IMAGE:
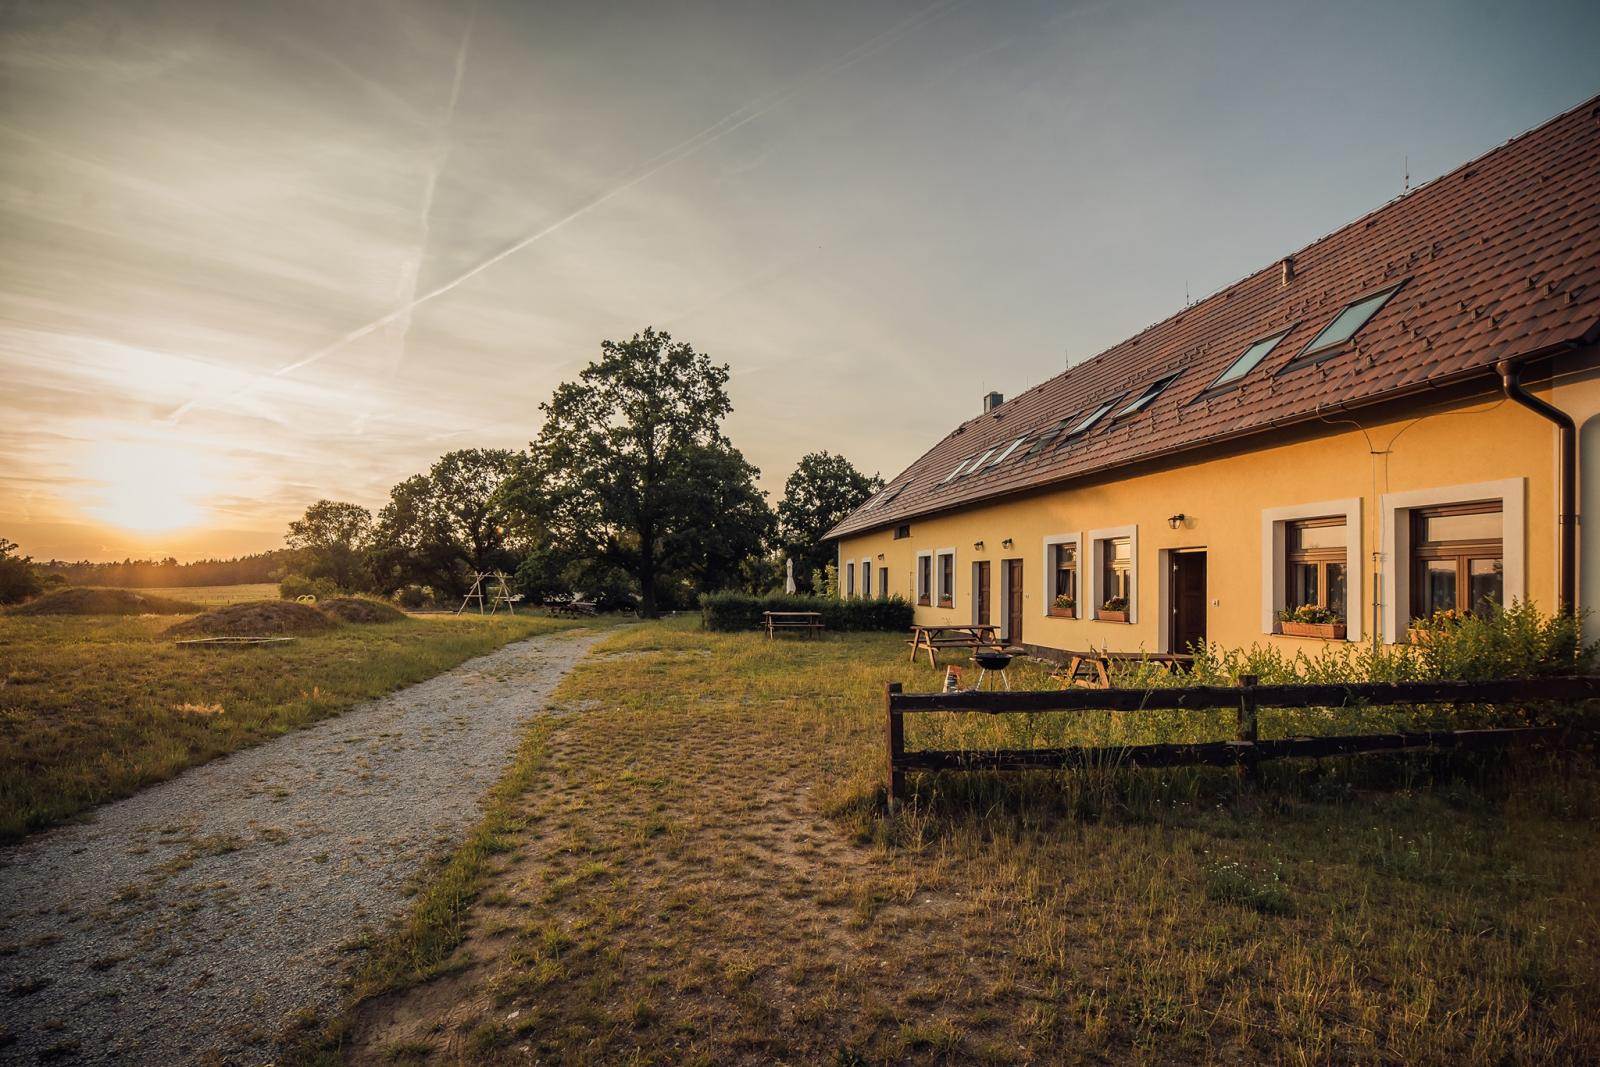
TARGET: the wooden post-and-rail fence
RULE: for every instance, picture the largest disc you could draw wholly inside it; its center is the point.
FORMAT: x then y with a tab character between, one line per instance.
1247	697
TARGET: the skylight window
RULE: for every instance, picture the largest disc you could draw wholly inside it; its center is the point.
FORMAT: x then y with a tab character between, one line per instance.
1048	436
1146	395
1088	421
979	462
1012	447
1248	362
956	471
1347	322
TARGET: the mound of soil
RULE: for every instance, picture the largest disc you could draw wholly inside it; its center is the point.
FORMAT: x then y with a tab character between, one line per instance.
256	618
104	602
360	610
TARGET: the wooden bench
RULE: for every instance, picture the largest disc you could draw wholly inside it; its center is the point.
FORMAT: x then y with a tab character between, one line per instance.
806	622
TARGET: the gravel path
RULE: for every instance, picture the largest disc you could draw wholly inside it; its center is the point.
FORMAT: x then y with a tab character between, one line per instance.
197	917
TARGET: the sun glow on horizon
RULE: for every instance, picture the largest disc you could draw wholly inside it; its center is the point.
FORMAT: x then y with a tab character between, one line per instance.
148	486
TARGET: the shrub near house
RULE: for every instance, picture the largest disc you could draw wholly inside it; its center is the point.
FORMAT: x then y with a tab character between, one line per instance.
740	611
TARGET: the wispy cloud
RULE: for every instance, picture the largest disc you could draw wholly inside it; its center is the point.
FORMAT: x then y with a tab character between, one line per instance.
730	123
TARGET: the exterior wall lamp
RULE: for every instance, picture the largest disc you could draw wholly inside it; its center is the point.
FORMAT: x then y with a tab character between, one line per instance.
977	546
1007	543
1177	520
880	557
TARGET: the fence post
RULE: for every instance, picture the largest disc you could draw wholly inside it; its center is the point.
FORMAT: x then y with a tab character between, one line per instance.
896	738
1249	727
1247	708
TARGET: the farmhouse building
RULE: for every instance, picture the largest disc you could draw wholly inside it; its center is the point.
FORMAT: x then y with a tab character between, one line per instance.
1399	419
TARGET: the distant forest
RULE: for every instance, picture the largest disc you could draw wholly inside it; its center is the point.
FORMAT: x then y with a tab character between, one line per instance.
153	573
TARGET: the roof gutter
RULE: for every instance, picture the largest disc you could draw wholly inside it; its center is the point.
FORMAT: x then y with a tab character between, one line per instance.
1566	513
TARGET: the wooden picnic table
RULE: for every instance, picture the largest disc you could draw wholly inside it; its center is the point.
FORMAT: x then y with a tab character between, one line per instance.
976	637
807	622
1092	669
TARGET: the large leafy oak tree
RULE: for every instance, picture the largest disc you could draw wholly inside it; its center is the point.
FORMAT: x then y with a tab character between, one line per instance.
631	468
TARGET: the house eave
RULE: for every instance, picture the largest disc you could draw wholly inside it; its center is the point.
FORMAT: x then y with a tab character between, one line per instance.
1463	381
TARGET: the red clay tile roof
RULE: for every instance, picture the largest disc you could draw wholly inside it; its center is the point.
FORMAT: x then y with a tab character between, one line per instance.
1499	258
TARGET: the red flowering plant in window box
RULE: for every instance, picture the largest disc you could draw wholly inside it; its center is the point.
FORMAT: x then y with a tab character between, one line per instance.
1311	621
1114	609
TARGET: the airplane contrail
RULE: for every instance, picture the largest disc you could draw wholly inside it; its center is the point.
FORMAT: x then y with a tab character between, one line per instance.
734	120
441	156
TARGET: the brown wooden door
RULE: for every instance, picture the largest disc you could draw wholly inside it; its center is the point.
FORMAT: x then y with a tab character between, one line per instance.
1187	595
982	586
1014	601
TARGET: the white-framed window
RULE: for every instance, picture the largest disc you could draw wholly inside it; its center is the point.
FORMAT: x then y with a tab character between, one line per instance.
850	579
924	578
944	577
1113	574
1064	576
1302	561
866	578
1399	512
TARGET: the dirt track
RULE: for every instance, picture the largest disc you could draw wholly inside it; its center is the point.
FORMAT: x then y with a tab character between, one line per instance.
199	916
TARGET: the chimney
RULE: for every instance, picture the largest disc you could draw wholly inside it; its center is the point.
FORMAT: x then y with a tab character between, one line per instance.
992	401
1288	269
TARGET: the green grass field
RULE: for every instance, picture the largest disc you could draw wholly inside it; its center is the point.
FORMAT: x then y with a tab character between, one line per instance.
215	596
691	864
96	707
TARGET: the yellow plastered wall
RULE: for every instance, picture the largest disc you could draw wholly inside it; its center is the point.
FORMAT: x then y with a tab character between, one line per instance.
1485	441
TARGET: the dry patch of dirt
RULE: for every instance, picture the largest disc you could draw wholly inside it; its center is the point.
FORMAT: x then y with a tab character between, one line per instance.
360	610
678	887
254	619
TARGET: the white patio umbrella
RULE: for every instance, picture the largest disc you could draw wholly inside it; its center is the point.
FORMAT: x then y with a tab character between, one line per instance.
788	582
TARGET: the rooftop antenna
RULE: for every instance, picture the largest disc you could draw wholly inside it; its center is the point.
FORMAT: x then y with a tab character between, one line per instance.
1407	187
1186	292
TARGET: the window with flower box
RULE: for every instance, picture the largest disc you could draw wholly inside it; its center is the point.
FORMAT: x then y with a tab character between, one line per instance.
1316	573
1064	583
1116	579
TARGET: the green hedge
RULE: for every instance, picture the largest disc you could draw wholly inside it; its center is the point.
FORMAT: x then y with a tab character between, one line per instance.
741	611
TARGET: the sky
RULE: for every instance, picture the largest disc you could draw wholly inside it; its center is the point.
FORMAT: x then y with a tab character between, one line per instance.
253	255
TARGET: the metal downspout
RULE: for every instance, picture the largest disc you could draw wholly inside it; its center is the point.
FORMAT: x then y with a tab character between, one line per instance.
1566	514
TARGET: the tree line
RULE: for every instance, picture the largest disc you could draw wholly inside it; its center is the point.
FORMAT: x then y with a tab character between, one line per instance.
631	495
153	573
23	577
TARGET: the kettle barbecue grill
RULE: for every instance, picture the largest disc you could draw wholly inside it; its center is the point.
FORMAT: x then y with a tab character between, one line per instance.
995	660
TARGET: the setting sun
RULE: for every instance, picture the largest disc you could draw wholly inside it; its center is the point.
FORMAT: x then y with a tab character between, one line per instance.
147	486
